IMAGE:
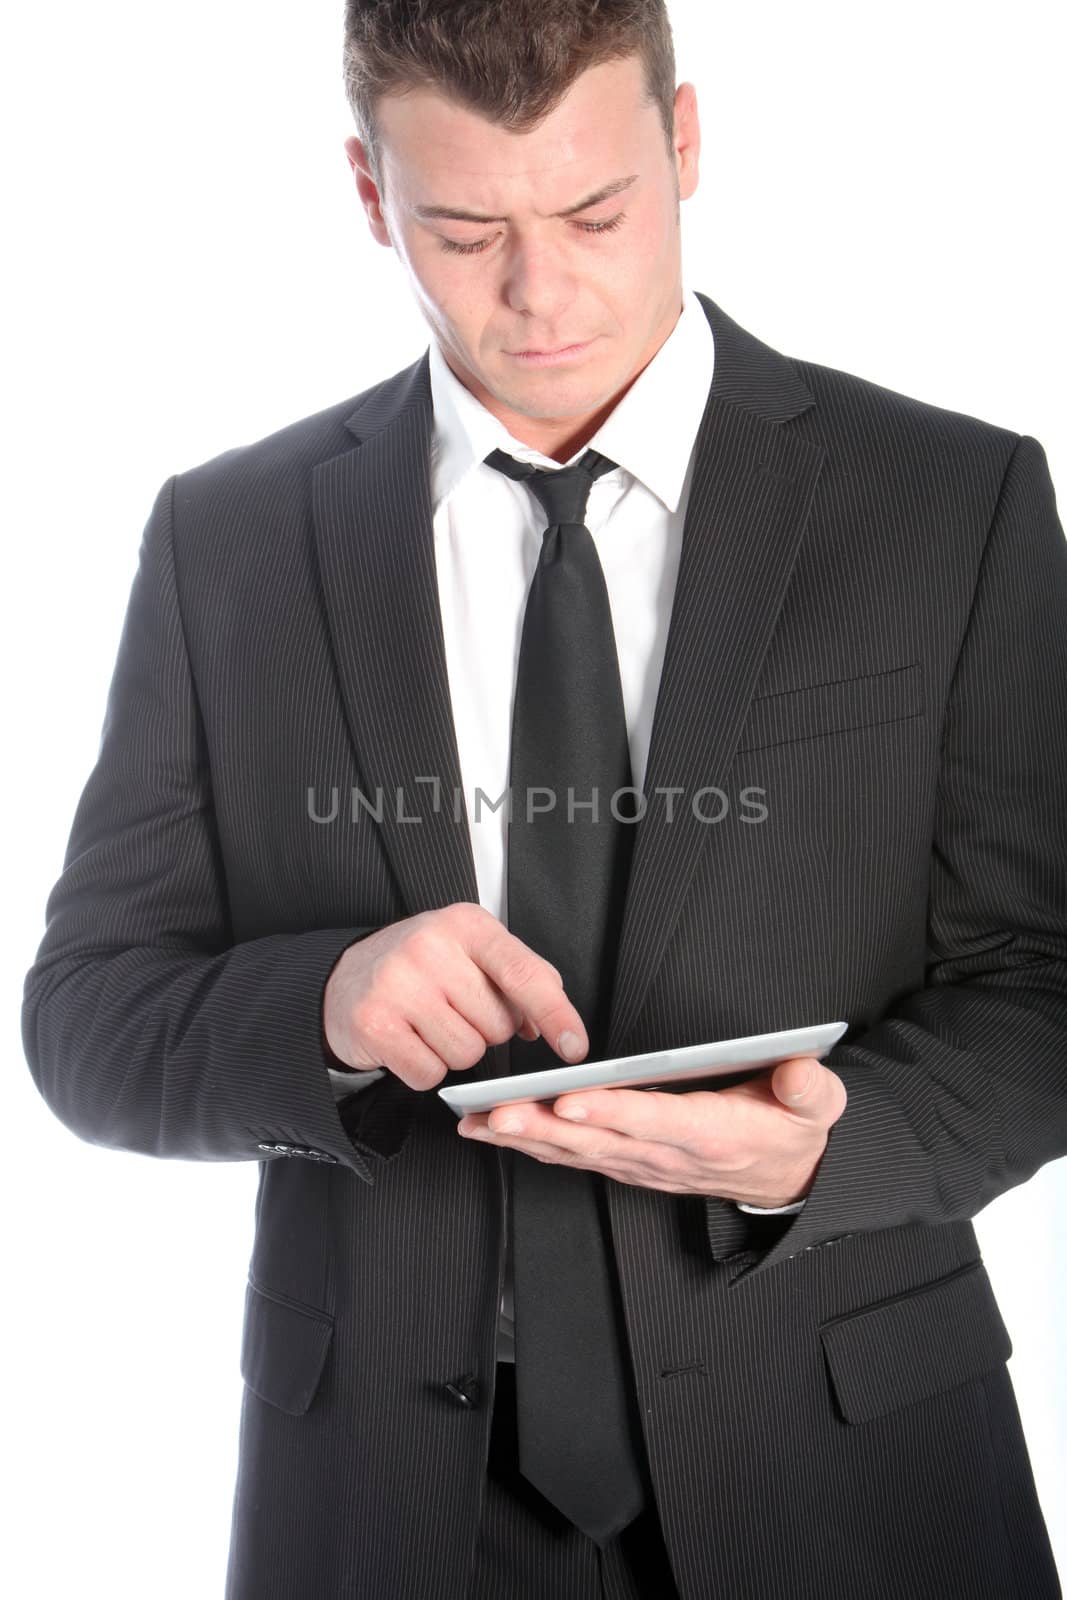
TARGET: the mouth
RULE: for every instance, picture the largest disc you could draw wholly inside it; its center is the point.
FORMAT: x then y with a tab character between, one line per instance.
549	358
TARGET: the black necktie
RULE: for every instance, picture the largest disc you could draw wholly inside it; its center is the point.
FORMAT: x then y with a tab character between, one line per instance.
566	883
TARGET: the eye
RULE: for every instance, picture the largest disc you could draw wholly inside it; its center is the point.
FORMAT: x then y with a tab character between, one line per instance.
452	248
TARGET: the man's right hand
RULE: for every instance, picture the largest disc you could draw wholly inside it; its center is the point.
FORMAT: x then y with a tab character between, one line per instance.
428	995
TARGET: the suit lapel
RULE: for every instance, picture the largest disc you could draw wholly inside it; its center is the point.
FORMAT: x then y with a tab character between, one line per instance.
751	494
750	497
373	523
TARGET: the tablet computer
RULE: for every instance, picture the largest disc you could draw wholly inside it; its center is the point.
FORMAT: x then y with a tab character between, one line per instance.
690	1062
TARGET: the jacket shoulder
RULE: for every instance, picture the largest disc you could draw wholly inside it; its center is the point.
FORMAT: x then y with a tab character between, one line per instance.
864	422
287	453
872	414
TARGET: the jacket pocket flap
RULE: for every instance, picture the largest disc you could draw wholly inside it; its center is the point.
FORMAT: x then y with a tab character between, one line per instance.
283	1348
834	707
915	1345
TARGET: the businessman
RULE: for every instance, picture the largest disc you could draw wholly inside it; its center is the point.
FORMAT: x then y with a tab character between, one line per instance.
803	638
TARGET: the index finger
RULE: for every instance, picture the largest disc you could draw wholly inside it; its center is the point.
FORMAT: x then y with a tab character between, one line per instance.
531	983
658	1116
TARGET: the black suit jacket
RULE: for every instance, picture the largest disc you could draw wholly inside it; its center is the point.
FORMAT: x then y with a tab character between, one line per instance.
869	627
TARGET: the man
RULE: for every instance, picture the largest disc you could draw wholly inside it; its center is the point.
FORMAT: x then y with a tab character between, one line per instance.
835	597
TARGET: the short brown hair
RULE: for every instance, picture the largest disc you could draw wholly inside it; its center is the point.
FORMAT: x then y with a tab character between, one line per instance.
511	61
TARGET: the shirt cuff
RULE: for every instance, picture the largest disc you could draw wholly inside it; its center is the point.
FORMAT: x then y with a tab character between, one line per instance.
351	1081
770	1211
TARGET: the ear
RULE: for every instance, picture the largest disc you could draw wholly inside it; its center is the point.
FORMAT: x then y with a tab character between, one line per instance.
686	139
367	189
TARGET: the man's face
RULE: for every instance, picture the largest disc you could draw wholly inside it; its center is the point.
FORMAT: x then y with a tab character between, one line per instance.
605	277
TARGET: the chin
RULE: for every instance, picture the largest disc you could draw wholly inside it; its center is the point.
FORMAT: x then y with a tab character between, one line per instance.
550	399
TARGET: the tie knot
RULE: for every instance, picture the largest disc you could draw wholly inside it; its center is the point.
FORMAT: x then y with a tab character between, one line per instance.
563	492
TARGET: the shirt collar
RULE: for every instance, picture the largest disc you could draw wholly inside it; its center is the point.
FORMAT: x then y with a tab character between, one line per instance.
651	432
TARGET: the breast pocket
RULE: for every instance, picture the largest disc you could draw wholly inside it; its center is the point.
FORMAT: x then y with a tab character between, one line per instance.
834	707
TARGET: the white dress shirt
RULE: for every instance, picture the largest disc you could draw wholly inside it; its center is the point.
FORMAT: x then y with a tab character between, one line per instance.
488	531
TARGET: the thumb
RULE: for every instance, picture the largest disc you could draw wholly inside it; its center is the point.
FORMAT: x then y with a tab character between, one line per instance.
794	1082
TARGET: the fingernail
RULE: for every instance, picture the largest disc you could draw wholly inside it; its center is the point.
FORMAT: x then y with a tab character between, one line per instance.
807	1084
509	1124
569	1044
573	1113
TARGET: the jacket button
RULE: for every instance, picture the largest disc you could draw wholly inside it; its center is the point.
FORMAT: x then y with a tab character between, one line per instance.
464	1391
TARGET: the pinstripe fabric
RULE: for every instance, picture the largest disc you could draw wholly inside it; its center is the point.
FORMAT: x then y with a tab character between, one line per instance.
527	1549
869	629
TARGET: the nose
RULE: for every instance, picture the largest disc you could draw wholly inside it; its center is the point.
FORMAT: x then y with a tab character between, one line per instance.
539	284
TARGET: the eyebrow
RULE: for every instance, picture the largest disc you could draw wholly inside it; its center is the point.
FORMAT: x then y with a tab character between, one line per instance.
452	214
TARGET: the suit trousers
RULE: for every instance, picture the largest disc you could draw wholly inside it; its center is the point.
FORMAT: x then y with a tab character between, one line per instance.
528	1550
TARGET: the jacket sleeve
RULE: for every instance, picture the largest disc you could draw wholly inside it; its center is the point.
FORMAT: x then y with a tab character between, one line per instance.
959	1092
145	1026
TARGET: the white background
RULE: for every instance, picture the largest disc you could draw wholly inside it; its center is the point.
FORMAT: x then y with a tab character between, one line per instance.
187	269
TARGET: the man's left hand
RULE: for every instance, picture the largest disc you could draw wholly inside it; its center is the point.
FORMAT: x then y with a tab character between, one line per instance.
759	1142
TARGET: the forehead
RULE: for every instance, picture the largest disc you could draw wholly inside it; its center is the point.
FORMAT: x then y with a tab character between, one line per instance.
599	127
